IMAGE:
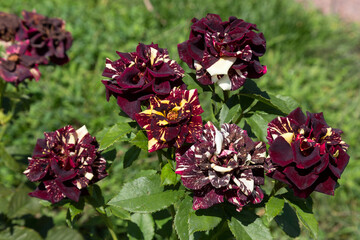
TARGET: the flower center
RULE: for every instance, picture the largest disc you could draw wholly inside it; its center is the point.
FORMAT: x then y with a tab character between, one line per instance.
13	58
172	115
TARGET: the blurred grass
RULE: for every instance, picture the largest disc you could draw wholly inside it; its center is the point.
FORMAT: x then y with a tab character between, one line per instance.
314	59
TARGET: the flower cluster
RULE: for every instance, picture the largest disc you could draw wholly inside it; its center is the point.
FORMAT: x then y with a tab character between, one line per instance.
306	153
173	120
29	42
140	75
225	53
65	163
223	164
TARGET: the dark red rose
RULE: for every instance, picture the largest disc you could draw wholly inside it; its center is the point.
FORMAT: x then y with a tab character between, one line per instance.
226	164
173	120
16	66
65	163
11	28
48	37
137	76
224	52
306	153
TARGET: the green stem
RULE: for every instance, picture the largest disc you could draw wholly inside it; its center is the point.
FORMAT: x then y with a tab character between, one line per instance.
226	96
108	224
3	85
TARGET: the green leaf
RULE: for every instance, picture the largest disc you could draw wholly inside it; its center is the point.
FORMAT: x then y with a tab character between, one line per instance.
8	160
277	102
231	110
273	207
119	212
192	83
75	208
19	233
258	122
168	176
303	209
96	198
114	134
143	222
205	219
63	233
246	225
131	155
21	203
140	140
181	221
288	221
206	104
145	194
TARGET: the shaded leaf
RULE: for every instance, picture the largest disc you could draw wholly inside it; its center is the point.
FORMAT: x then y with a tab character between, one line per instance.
113	134
288	221
75	208
145	223
205	219
63	233
145	194
7	159
231	110
119	212
19	233
246	225
303	209
258	122
131	155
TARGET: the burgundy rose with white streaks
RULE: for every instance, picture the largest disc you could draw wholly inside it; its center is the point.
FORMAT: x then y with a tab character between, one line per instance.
306	153
224	52
172	121
137	76
65	163
224	164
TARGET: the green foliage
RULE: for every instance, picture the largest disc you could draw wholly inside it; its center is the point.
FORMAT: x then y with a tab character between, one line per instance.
311	58
144	195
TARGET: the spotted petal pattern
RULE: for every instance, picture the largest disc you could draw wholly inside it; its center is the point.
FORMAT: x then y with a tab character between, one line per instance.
65	163
224	52
224	164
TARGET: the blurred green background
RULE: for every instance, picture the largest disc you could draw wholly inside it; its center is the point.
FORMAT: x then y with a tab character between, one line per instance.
313	58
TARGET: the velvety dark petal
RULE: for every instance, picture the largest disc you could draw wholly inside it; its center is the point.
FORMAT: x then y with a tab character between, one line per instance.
303	161
218	181
281	152
206	198
130	108
299	179
298	116
327	186
342	160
